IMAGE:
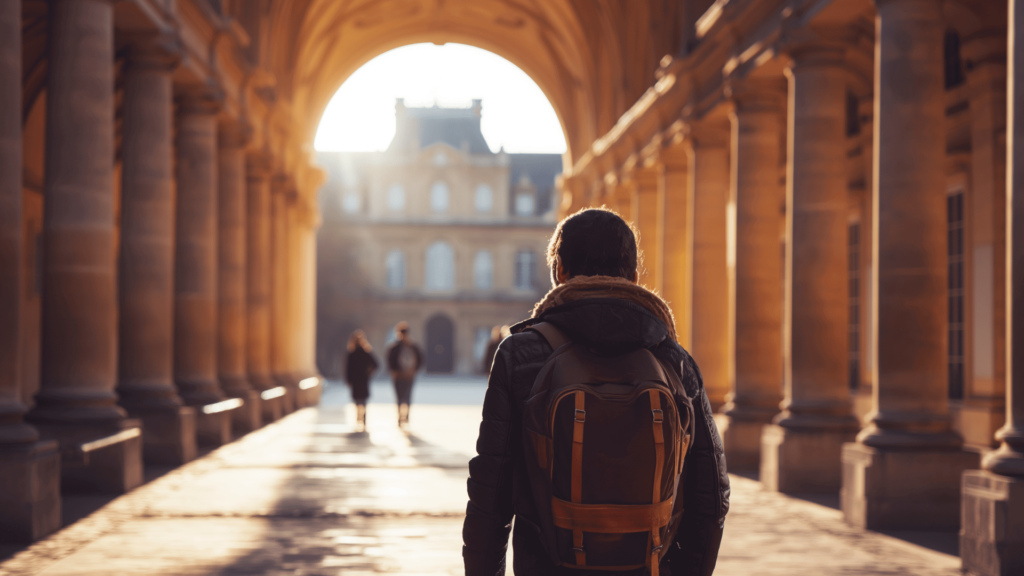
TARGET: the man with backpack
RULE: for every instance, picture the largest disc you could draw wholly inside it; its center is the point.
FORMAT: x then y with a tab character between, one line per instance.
404	360
597	435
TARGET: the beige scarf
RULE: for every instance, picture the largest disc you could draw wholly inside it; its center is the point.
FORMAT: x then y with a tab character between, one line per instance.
582	287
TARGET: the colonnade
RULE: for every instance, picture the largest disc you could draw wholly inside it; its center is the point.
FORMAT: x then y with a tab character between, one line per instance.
176	268
756	244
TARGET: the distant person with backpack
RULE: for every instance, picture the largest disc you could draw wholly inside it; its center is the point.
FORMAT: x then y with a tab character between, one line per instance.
404	360
596	428
360	364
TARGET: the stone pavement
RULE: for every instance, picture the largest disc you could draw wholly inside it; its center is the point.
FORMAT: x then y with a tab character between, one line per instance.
306	496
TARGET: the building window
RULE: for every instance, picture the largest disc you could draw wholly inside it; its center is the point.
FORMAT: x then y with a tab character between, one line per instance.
525	263
524	204
852	114
440	267
955	253
853	323
350	202
439	197
954	72
484	198
396	197
483	270
395	264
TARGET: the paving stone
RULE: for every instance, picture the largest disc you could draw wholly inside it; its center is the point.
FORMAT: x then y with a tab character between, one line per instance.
307	496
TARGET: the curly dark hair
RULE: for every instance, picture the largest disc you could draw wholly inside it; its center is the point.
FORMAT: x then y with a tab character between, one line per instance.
594	242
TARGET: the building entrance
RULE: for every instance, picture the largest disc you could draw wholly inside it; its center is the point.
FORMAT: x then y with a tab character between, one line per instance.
440	349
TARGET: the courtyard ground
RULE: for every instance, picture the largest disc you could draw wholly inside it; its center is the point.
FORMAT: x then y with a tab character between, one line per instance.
307	496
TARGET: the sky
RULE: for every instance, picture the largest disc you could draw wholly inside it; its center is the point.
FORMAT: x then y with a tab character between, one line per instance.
516	114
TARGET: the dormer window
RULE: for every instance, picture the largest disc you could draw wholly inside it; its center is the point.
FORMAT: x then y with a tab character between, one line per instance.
439	197
484	198
525	204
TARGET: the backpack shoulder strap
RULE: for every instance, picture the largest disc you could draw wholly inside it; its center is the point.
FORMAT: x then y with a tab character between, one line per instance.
552	334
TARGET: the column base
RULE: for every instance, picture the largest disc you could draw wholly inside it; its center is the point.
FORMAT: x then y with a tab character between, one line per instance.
803	460
272	404
992	524
250	416
742	440
214	422
289	402
309	390
903	489
29	492
169	437
99	460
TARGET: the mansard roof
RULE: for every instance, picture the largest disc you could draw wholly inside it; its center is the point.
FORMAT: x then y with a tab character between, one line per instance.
417	128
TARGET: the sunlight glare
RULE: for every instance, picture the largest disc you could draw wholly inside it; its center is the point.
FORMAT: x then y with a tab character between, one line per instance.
516	113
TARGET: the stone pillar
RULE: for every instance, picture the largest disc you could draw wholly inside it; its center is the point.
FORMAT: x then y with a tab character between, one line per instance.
29	469
710	329
649	218
282	196
231	276
992	528
675	257
258	278
195	263
755	277
801	451
904	470
146	291
981	412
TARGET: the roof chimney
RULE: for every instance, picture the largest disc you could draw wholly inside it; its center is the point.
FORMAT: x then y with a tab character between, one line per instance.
477	106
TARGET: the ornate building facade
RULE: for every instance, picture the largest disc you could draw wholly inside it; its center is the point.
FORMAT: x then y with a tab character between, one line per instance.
438	231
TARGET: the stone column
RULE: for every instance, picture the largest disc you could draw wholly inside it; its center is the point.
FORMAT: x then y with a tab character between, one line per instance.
231	275
282	196
981	413
195	263
649	218
146	291
801	451
755	277
676	258
29	469
257	245
904	470
992	527
710	330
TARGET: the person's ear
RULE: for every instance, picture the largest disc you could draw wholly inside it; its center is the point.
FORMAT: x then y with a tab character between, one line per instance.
558	271
636	277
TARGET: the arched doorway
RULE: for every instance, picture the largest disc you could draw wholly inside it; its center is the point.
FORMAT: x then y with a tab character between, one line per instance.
440	345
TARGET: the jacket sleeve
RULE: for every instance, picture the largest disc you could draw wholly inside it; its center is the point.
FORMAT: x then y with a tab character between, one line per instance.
489	514
705	490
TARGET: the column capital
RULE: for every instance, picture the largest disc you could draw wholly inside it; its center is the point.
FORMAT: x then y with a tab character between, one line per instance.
710	133
756	94
161	52
234	134
199	99
807	46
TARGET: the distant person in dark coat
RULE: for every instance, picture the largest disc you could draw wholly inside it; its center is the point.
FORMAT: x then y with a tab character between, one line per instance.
404	360
498	333
359	368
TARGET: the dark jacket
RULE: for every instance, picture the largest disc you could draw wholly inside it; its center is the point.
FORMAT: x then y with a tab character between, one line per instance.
394	363
498	487
359	366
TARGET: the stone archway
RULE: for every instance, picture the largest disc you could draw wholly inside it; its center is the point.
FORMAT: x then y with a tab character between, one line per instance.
440	353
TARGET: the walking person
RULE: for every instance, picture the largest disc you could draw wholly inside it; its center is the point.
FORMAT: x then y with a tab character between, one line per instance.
588	454
498	333
360	364
404	360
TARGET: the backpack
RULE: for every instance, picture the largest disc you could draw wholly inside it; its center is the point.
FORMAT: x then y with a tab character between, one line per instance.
604	444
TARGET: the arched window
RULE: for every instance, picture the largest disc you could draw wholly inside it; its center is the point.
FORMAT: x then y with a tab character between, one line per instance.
440	267
350	202
483	270
484	198
525	205
396	197
954	67
439	197
395	265
526	261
